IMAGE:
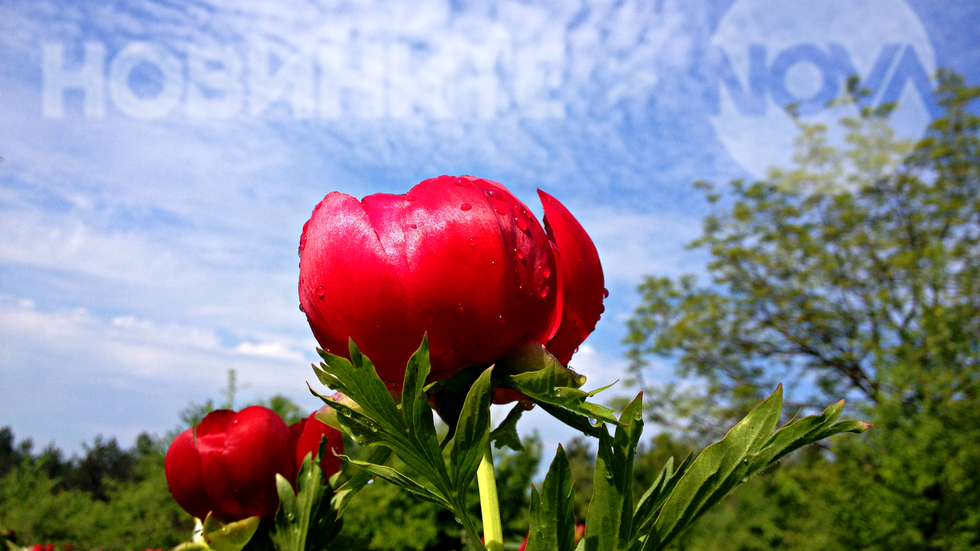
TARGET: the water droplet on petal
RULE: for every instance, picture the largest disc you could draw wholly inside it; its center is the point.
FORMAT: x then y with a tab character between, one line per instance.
521	223
465	206
460	307
463	182
605	293
301	308
496	194
409	197
519	254
414	226
471	242
545	272
320	291
501	319
543	290
602	308
500	211
429	316
447	353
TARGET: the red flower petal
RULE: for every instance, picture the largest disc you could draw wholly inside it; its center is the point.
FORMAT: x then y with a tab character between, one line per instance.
475	263
582	279
210	440
255	440
185	475
349	289
305	438
460	258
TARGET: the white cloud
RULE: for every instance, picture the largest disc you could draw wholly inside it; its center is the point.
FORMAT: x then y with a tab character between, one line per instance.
143	259
54	362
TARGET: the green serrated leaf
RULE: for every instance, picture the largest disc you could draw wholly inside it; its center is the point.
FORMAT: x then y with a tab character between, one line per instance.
404	482
232	536
414	401
577	421
715	472
609	524
305	520
602	388
367	389
506	432
552	523
801	432
325	378
746	450
540	387
406	430
534	356
472	433
658	493
343	496
381	422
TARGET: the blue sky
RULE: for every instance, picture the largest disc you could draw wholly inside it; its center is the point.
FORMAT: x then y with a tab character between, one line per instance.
160	159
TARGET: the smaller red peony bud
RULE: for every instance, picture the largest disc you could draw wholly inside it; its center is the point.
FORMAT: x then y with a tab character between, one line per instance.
304	438
227	465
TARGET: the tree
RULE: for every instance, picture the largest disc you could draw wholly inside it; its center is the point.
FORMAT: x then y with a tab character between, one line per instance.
854	274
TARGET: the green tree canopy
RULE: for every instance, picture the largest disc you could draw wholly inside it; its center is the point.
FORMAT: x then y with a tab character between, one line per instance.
856	273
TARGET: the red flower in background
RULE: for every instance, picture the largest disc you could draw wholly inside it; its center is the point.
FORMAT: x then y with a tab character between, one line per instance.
304	438
459	258
227	465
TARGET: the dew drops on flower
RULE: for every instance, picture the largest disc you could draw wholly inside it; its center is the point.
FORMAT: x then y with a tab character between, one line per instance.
496	194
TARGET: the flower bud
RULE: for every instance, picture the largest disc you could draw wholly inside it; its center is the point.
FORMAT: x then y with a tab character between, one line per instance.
460	259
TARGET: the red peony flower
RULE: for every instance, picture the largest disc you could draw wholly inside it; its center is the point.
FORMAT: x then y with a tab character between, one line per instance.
227	465
459	258
304	438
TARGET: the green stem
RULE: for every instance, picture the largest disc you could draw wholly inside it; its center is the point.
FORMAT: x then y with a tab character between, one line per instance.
493	533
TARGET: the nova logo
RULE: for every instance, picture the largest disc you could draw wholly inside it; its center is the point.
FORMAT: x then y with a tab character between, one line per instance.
772	53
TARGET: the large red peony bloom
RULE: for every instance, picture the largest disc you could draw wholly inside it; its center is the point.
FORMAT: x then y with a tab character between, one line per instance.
227	465
458	257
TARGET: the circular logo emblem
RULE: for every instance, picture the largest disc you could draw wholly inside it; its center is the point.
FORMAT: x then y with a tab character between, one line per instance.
772	53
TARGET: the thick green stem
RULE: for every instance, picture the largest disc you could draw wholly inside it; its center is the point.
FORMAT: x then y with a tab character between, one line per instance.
493	533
